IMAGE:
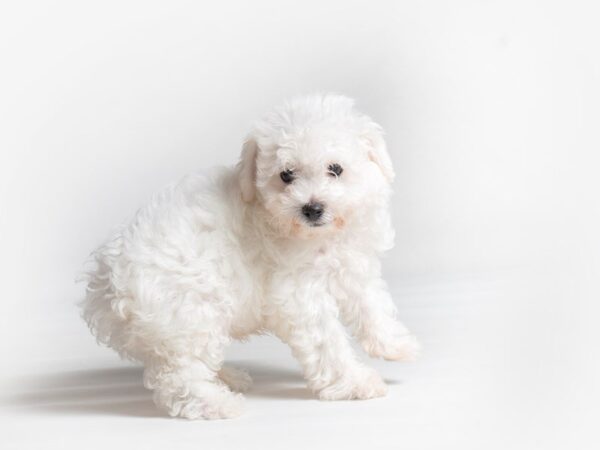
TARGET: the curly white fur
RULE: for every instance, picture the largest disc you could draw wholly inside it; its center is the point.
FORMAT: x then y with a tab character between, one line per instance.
222	256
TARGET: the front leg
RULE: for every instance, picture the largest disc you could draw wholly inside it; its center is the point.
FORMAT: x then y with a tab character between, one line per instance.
305	317
368	309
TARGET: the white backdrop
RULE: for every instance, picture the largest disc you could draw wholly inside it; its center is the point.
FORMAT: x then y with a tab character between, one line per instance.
491	113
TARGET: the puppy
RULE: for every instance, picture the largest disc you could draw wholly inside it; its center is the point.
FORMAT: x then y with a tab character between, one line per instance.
287	242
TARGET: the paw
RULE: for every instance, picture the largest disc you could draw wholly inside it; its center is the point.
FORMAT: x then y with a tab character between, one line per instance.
224	406
362	384
237	379
400	348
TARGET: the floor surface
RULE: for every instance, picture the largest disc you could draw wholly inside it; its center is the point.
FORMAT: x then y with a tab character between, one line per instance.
63	391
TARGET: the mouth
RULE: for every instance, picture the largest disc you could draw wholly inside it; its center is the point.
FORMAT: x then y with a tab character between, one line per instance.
316	224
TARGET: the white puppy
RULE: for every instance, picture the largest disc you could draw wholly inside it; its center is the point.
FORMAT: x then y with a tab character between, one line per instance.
287	242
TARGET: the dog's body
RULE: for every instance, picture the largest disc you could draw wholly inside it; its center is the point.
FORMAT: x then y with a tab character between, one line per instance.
287	242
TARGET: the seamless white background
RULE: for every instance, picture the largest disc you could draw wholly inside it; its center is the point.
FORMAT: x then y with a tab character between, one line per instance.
491	113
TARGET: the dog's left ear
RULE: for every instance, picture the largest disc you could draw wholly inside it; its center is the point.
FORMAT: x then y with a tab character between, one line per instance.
247	169
377	150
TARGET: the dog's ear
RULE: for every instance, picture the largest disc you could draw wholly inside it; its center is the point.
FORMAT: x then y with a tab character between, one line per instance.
377	150
247	169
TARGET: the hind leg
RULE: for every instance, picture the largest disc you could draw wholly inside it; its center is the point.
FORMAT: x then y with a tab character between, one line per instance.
238	380
189	386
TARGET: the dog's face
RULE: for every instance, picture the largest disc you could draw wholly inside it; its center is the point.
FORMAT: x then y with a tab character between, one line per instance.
315	166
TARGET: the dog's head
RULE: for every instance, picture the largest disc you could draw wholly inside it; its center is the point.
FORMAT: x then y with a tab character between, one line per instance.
315	165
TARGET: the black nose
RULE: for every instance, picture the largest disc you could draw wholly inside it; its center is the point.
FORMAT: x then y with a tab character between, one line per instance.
312	211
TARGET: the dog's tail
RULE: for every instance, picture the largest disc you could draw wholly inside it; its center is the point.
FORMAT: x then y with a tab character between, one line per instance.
105	306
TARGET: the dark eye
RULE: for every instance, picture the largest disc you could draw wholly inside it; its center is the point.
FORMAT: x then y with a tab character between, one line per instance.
287	176
335	169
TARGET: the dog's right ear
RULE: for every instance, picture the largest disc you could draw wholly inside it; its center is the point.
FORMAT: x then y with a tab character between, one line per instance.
247	169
